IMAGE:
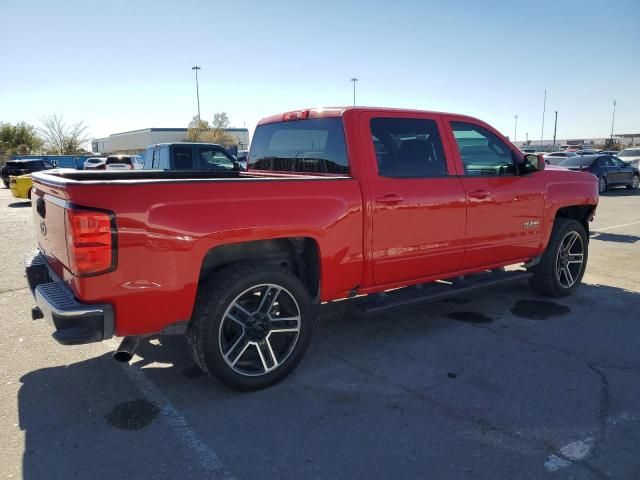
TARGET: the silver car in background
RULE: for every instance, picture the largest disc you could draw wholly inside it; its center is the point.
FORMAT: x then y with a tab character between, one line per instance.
554	158
630	156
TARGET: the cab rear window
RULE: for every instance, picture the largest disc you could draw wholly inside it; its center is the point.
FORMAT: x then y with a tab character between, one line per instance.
305	146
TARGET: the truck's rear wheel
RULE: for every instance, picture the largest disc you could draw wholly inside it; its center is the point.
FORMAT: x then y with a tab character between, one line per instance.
563	263
251	325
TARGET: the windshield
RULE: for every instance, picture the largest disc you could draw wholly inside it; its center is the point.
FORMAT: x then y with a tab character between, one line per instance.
577	161
309	146
629	153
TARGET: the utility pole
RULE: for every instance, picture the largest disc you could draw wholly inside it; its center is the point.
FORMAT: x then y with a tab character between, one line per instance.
544	109
515	130
555	128
354	80
196	68
527	142
613	119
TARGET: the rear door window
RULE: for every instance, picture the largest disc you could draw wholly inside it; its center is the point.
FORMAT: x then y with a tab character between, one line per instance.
306	146
408	148
183	158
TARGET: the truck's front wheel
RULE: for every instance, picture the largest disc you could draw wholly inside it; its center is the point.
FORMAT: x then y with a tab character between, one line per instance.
564	261
251	325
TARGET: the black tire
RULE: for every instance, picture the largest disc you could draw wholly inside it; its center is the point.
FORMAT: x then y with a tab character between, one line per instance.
29	193
602	185
547	279
635	182
216	297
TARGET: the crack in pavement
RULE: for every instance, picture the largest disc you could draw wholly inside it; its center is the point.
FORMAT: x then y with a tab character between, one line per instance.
476	422
605	394
11	290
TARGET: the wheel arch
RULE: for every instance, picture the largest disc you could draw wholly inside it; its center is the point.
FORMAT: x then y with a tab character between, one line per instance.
300	255
581	213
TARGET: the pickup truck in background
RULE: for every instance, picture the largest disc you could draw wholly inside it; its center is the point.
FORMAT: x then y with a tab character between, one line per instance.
189	156
336	203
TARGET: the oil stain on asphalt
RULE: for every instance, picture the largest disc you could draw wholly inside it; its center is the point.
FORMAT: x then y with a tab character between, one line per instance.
132	415
539	309
471	317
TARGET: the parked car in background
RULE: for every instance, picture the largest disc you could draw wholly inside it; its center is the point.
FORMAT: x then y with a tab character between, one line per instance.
21	186
630	156
119	162
189	156
95	163
609	152
610	170
554	158
22	167
586	152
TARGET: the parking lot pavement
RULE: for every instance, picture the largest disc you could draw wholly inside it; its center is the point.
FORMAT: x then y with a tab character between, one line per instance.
502	385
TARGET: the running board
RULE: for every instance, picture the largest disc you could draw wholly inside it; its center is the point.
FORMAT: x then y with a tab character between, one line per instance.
439	290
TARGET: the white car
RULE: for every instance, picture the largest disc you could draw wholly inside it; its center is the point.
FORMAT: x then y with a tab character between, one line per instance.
120	162
630	156
94	163
554	158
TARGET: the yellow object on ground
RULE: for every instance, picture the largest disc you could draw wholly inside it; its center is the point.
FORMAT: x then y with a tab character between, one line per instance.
21	186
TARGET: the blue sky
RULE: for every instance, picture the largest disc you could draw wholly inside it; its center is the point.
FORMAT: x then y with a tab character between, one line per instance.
121	65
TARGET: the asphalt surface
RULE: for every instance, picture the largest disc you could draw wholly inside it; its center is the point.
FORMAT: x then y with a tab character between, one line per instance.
503	385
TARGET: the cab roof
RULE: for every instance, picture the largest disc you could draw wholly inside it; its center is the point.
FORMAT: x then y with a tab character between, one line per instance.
333	112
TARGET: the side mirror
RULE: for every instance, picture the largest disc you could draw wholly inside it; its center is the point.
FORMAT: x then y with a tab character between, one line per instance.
534	163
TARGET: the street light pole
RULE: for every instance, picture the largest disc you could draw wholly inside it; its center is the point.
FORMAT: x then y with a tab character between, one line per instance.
196	68
515	130
613	119
354	80
544	109
555	128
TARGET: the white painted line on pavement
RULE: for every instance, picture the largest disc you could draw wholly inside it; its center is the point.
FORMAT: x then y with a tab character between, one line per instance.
176	420
615	226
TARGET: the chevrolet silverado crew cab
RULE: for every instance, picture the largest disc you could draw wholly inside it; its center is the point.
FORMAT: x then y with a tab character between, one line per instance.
336	203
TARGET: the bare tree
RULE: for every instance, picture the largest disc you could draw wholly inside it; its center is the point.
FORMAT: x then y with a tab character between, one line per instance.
211	133
62	138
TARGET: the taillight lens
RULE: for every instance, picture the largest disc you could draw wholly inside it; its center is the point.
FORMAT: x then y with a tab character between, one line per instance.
90	241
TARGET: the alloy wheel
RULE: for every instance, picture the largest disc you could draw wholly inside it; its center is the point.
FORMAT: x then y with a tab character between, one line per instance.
259	330
570	259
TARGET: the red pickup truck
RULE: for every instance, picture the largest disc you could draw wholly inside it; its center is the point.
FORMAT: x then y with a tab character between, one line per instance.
336	203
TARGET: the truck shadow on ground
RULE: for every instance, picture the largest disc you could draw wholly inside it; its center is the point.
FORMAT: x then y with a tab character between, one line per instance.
79	419
614	237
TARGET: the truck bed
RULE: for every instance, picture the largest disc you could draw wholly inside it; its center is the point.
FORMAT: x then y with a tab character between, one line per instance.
164	175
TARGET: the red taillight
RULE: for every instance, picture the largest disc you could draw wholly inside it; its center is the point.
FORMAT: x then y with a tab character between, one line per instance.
297	115
90	241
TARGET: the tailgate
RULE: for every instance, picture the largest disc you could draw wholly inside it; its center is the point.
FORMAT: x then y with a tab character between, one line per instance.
48	215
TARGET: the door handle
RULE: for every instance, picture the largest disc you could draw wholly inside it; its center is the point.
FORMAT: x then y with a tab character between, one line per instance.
390	199
480	194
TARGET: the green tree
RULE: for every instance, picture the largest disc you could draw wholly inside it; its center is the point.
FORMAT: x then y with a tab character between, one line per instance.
61	138
18	139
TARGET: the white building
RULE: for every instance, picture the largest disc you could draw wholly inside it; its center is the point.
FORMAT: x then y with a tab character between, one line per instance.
136	141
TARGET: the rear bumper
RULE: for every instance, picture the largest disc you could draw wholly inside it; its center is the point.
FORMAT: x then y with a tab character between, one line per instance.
74	323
